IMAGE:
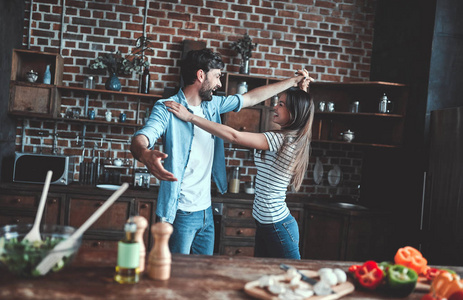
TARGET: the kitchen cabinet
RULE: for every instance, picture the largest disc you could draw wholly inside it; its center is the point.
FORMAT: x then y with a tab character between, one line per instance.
108	229
324	235
35	98
18	207
238	227
69	205
344	235
370	127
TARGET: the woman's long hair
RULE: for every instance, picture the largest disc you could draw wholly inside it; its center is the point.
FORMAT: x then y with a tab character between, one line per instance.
298	132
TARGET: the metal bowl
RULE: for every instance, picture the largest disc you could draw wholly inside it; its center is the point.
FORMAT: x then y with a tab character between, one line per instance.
22	257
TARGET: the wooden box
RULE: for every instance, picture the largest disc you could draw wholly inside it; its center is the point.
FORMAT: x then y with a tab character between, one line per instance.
35	98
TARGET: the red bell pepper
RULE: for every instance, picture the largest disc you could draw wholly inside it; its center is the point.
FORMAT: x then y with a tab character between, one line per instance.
369	275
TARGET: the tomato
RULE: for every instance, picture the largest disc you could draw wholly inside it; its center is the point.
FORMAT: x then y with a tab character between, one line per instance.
458	295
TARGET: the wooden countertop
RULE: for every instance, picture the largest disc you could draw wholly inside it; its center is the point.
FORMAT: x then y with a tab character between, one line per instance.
193	277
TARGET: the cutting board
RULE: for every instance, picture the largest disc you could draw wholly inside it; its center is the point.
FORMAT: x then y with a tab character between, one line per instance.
252	288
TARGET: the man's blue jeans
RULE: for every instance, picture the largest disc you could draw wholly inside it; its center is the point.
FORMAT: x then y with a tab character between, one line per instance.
193	232
279	239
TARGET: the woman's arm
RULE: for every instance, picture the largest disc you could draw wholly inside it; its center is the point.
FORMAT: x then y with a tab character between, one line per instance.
247	139
259	94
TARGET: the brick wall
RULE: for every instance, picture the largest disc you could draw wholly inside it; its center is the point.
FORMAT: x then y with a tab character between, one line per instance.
331	38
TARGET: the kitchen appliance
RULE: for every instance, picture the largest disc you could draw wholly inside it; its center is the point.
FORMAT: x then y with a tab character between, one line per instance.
442	203
33	168
141	178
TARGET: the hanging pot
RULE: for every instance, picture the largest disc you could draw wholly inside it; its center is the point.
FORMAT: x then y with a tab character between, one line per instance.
113	83
244	69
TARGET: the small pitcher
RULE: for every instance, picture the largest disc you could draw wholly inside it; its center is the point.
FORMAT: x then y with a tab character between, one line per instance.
108	116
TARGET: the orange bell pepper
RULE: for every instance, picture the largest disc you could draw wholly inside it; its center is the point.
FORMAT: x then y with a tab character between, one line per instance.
411	258
445	284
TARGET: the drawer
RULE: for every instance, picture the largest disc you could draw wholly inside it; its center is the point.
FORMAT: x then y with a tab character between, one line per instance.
239	212
231	231
99	244
18	201
238	250
114	218
16	219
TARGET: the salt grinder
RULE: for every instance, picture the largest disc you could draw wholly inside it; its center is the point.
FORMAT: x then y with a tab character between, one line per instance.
142	223
160	258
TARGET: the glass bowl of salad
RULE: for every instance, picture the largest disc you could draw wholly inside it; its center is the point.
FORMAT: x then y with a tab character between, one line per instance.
21	257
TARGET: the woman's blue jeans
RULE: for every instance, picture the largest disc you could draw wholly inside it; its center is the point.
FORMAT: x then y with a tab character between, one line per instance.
193	232
279	239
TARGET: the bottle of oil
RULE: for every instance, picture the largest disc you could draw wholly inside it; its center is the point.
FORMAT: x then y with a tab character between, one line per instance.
128	256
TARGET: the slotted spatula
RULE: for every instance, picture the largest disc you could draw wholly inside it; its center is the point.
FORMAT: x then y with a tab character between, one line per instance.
34	234
58	251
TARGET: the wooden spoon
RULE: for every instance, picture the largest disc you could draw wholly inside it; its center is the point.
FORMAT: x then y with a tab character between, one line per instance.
34	234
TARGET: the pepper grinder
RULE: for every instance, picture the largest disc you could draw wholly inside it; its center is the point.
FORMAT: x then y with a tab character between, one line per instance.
160	258
142	223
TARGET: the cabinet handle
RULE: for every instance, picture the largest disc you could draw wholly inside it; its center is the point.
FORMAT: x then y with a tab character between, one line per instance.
17	200
144	205
53	201
241	213
96	244
99	203
16	221
238	251
311	216
240	231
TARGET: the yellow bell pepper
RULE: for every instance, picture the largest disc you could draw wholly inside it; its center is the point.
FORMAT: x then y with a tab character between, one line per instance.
445	284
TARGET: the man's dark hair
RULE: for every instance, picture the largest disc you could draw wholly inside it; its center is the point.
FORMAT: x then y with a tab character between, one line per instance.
196	60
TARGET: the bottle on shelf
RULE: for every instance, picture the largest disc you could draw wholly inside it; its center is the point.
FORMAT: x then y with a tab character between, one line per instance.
47	75
145	82
128	256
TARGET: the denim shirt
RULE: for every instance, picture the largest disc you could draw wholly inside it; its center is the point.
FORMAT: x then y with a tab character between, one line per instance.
177	137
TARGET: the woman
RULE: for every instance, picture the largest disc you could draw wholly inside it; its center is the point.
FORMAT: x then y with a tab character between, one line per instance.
283	162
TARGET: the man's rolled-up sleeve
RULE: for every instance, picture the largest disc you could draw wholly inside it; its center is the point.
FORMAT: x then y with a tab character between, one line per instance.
156	124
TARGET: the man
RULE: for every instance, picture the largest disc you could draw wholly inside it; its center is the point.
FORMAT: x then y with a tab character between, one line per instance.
192	155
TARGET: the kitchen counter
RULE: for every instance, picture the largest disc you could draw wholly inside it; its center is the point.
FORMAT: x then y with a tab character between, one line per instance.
193	277
312	202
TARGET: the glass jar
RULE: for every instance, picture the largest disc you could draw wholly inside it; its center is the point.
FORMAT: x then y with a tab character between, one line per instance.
249	187
89	83
234	184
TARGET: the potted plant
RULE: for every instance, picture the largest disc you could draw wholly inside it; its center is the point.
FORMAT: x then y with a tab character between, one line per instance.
244	47
116	65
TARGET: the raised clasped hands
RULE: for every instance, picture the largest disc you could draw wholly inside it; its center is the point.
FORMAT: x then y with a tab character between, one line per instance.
304	83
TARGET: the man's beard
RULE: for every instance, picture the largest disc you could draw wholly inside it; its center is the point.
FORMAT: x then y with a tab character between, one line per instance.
205	93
